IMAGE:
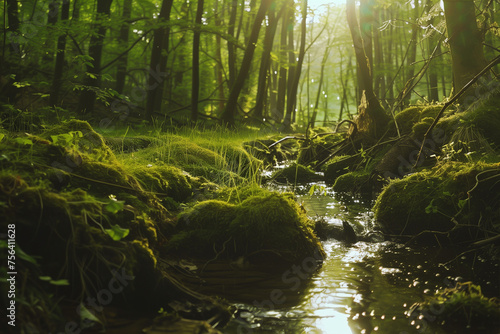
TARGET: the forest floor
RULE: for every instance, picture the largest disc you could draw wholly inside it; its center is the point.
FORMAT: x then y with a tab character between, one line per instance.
110	218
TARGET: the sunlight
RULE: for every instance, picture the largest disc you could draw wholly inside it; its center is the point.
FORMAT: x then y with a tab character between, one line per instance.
317	3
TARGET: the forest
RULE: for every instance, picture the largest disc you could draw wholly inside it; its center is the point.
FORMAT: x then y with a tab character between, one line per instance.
243	166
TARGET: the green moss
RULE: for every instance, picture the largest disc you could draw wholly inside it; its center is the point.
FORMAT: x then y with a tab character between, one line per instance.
420	128
463	305
296	173
271	222
357	182
166	180
340	165
486	117
428	200
407	117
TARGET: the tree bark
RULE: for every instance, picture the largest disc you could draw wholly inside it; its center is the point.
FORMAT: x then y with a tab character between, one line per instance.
157	66
283	71
59	66
88	96
195	84
371	120
412	56
292	94
121	71
465	41
231	47
232	102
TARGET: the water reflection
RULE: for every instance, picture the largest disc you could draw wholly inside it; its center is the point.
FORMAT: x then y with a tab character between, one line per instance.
367	287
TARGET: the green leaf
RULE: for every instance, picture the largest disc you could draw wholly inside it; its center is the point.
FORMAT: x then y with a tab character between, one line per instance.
462	202
1	136
86	316
45	278
23	141
59	282
114	206
117	233
431	208
23	256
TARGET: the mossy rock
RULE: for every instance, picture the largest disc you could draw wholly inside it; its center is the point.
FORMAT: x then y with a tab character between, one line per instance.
164	180
272	223
485	115
407	117
90	142
358	182
427	200
419	129
296	173
340	165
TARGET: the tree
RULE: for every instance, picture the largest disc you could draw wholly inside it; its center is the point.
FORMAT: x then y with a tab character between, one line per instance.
292	94
465	41
195	88
157	66
232	102
372	120
93	75
59	66
121	70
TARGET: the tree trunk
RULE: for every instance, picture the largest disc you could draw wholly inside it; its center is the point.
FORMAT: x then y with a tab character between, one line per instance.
49	44
412	55
195	84
59	66
121	71
218	56
157	66
88	96
13	28
320	84
232	102
265	61
292	94
372	119
231	47
432	42
283	71
465	41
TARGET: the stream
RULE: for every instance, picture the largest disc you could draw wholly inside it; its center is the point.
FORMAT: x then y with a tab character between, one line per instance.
367	287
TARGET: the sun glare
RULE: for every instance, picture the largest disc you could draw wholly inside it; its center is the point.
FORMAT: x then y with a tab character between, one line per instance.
317	3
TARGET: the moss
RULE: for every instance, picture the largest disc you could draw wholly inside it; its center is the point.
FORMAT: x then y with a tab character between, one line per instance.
428	200
90	142
357	182
271	222
296	173
340	165
317	148
486	117
463	305
419	129
407	117
166	180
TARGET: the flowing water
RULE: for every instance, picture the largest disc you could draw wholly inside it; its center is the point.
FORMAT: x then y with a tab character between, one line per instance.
368	287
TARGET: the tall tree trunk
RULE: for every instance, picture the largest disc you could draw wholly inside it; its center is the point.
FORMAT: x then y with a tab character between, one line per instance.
157	66
75	16
232	102
283	71
218	56
465	41
372	119
13	28
121	70
195	87
412	55
265	61
88	96
378	60
59	66
320	84
231	47
49	44
366	23
292	94
432	42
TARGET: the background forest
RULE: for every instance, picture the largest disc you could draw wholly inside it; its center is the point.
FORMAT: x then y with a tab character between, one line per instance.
269	62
